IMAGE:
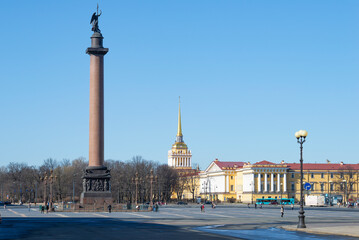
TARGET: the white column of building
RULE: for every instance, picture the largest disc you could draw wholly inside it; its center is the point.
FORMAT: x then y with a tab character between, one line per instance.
265	182
278	182
284	182
225	183
272	182
259	183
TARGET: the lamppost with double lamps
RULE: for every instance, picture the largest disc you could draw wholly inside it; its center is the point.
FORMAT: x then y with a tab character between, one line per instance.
301	135
44	179
345	190
136	180
51	189
152	179
252	190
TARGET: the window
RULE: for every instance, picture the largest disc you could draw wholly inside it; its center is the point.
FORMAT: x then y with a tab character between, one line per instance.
351	175
331	175
292	186
232	188
322	175
331	186
313	187
231	177
292	175
322	186
341	175
312	175
351	186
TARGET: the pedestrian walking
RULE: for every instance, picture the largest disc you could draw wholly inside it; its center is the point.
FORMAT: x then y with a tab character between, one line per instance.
281	211
202	208
292	205
4	206
156	207
248	205
42	209
47	208
29	207
255	205
109	207
261	205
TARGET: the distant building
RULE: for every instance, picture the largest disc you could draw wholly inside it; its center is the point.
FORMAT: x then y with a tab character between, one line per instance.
179	157
246	182
218	181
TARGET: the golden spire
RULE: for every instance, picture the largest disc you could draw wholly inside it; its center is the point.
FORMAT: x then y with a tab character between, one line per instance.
179	130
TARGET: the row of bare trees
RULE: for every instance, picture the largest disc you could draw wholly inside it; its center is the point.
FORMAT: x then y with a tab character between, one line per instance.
20	182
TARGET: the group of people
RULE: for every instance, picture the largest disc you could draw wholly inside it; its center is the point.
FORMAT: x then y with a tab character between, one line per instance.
43	208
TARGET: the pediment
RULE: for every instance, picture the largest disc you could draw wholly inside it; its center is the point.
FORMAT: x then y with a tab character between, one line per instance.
213	168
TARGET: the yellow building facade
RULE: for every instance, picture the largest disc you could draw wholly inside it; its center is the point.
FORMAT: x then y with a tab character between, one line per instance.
246	182
218	182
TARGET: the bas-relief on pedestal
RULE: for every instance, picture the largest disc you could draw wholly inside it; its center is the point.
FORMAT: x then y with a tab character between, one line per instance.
96	186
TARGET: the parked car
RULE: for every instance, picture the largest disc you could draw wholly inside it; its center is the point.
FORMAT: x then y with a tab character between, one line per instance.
182	203
208	202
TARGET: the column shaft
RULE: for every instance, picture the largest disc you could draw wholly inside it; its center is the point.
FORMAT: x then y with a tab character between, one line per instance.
278	182
96	133
265	182
259	183
272	182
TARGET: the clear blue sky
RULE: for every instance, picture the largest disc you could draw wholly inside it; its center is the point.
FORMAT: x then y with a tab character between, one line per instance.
249	73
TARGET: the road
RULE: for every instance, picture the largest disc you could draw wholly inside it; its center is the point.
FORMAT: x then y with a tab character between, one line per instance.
169	223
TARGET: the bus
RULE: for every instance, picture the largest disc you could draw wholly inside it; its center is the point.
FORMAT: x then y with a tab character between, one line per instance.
266	201
287	201
274	201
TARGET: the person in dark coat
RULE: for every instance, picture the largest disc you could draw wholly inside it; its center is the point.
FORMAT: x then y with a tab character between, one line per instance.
109	207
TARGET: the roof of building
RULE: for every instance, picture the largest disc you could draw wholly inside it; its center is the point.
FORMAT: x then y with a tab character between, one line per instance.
323	166
264	162
225	165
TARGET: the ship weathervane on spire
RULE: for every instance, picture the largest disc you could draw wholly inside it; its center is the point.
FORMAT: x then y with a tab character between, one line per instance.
94	21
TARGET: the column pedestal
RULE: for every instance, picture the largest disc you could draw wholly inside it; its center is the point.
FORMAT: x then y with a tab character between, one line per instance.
96	186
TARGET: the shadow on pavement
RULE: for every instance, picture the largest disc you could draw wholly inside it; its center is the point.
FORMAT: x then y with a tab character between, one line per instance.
93	228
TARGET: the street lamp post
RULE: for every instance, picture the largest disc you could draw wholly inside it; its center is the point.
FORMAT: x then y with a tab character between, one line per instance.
345	199
51	188
151	182
44	179
73	187
301	135
252	189
136	179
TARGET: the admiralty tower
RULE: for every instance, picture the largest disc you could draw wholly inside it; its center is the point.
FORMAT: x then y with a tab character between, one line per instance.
179	157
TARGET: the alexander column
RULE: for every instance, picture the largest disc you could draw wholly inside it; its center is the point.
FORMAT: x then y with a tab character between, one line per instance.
96	180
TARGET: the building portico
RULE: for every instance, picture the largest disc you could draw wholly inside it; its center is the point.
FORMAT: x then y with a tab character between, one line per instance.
262	179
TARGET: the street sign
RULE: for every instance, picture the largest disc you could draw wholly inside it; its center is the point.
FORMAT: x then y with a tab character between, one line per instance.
307	186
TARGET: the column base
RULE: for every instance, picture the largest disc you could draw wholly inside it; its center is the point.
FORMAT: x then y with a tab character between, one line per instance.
96	186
